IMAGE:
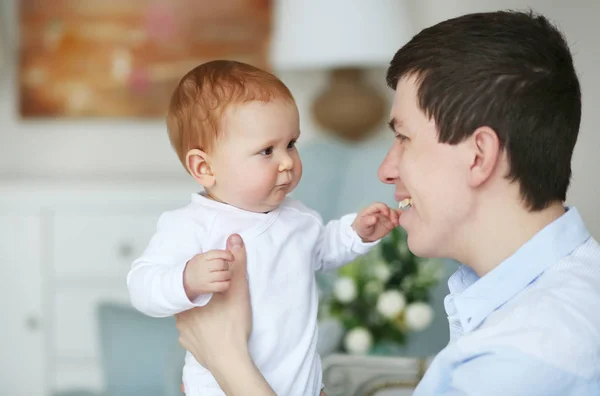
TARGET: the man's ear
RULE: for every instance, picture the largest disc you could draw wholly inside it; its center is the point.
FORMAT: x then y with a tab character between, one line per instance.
484	153
197	164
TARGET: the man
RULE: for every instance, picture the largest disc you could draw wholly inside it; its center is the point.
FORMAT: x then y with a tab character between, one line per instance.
486	114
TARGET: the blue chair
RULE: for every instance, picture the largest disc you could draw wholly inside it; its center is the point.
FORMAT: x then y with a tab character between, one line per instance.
140	355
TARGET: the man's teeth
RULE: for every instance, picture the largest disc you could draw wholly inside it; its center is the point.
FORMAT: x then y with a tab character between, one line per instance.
405	203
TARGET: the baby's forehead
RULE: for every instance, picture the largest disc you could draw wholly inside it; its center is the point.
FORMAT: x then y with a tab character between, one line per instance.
260	117
275	107
256	133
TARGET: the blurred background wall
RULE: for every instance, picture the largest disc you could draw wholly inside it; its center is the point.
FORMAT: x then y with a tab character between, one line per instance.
140	149
116	160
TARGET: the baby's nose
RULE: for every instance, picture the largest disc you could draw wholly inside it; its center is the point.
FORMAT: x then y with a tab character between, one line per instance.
286	163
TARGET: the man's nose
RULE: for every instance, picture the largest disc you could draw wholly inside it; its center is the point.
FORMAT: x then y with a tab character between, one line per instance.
388	170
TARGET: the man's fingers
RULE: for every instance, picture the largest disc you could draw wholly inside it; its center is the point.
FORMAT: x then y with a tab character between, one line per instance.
238	265
236	246
180	322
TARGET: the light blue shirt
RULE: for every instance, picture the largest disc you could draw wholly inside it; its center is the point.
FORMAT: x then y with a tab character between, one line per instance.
531	326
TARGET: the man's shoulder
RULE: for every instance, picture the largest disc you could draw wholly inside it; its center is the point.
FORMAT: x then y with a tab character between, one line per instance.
569	291
555	320
585	258
566	295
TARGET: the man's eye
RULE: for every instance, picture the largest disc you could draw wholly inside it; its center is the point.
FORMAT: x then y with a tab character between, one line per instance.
292	144
401	138
267	151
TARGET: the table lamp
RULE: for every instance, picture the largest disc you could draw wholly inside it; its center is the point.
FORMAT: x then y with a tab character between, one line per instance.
344	37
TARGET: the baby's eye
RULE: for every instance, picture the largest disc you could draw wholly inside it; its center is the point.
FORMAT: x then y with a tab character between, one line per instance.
292	144
267	151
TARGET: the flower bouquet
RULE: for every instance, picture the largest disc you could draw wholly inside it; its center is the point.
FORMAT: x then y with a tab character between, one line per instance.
382	297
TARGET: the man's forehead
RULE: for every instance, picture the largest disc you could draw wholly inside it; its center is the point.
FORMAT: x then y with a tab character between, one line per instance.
405	114
398	112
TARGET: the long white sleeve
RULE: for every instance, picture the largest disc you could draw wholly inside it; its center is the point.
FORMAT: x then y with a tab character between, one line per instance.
339	244
155	281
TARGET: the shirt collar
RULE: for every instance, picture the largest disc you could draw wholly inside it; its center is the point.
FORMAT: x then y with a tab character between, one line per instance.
473	299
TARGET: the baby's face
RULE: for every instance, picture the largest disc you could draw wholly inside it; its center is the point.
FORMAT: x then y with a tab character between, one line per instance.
256	163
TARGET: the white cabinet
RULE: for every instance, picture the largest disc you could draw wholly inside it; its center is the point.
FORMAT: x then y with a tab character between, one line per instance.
63	250
22	347
99	245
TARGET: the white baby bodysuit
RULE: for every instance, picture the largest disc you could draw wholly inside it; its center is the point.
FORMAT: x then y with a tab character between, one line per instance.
284	248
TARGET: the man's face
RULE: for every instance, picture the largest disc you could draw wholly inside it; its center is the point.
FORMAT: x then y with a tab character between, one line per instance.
434	175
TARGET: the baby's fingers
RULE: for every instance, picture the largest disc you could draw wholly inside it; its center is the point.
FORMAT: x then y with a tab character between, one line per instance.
220	276
218	255
394	217
219	287
370	220
377	207
220	281
218	265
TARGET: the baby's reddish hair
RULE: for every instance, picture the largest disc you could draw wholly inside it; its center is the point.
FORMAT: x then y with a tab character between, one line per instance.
205	92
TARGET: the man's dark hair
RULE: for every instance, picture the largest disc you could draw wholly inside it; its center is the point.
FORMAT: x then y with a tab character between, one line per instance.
511	71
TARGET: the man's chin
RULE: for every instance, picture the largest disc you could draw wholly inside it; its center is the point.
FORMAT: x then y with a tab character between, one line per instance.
418	246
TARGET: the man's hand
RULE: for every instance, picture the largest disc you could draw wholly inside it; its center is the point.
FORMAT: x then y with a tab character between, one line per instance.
207	273
375	222
222	327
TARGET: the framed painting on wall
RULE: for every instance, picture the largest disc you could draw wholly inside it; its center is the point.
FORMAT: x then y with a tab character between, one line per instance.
123	58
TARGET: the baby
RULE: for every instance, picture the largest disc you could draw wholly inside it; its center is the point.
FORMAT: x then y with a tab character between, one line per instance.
235	128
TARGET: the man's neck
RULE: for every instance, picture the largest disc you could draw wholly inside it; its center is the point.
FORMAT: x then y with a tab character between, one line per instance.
499	235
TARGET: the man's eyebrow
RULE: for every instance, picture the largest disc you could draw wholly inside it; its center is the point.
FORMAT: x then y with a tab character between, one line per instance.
393	124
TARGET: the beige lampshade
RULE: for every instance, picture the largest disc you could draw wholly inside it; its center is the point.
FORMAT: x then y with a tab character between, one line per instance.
343	37
326	34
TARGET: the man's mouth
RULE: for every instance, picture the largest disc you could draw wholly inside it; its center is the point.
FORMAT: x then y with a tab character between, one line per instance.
405	204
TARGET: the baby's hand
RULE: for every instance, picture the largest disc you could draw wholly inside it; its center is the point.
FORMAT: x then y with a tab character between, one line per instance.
375	222
207	273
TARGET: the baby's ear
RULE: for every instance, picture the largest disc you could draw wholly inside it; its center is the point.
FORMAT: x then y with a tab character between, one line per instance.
197	164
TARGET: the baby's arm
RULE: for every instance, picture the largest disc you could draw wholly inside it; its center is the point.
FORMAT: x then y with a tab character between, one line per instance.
353	235
156	279
339	244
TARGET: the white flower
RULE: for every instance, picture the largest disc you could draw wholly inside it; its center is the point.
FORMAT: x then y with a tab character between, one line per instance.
373	288
382	272
391	303
344	289
418	316
358	341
